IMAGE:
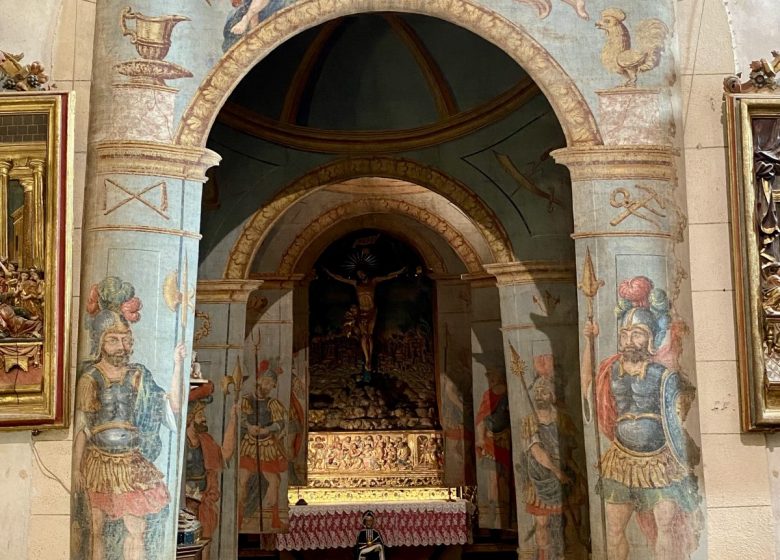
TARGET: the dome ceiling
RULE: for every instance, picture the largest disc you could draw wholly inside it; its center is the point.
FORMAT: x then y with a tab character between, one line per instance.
379	72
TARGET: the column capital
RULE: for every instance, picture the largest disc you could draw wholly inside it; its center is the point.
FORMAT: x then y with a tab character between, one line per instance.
37	164
5	167
532	272
156	159
226	291
633	162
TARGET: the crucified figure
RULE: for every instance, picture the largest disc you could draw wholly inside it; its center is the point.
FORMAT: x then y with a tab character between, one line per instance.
365	288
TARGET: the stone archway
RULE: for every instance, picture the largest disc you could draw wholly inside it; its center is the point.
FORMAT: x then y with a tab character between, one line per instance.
255	229
576	118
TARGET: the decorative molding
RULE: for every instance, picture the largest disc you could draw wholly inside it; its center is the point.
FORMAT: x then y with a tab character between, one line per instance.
311	139
624	233
576	119
358	207
225	291
637	162
148	229
260	223
204	329
16	76
155	159
532	272
273	281
385	222
762	77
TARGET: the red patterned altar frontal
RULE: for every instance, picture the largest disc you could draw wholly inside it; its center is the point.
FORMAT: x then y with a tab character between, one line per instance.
401	524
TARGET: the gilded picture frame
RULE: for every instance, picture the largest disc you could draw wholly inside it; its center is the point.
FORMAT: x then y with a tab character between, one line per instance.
36	218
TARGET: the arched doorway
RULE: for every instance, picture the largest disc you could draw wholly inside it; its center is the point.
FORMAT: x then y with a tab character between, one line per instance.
535	279
423	201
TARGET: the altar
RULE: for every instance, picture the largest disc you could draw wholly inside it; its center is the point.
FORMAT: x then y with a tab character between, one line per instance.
423	523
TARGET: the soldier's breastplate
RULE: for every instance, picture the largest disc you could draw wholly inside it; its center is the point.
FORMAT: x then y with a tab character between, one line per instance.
639	426
113	430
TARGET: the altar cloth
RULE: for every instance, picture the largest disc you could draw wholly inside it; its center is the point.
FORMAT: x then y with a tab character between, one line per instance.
401	524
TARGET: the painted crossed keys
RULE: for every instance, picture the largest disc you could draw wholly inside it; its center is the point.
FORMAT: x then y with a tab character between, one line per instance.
646	207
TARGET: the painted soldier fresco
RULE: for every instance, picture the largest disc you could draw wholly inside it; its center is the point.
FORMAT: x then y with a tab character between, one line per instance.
493	437
263	457
641	403
121	411
205	459
552	481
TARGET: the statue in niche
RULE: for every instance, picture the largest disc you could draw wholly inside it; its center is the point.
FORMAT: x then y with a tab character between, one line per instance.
363	322
553	485
371	317
369	544
121	495
205	458
642	402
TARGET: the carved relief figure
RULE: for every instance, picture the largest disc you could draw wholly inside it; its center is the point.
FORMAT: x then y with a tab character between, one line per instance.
120	412
544	7
553	484
642	402
205	459
617	55
262	453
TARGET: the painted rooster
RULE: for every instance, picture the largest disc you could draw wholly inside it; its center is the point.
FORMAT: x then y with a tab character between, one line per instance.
618	56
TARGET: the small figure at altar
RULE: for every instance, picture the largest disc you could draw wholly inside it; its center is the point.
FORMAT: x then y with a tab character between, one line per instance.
369	544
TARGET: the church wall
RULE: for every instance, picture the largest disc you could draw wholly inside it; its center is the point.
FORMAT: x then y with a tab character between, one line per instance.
741	470
737	467
36	508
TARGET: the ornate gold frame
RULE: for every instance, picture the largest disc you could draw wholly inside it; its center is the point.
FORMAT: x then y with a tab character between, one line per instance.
759	395
46	164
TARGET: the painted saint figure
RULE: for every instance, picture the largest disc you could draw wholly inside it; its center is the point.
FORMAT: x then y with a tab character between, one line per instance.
262	452
365	289
204	460
647	472
369	543
553	488
119	412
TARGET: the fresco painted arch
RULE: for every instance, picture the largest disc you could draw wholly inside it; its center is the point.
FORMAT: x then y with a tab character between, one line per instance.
260	223
573	112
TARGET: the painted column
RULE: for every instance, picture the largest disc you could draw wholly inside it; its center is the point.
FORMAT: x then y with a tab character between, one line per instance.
139	269
28	187
456	404
539	326
269	415
492	438
5	168
210	470
38	256
637	372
